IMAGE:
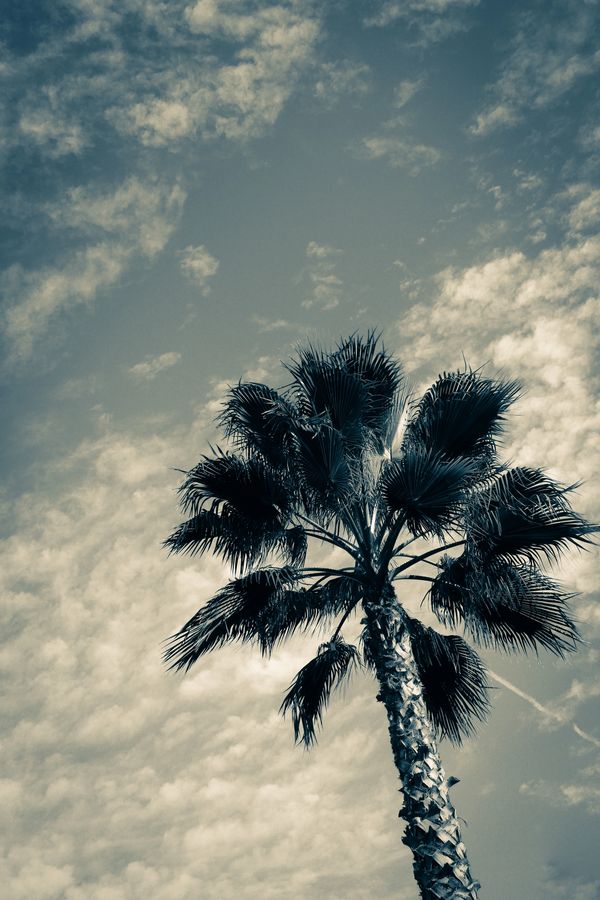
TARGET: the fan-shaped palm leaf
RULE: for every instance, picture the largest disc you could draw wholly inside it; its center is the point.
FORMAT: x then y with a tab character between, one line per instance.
234	538
311	689
322	463
300	609
249	486
232	614
461	415
510	607
426	489
453	678
252	416
524	514
380	374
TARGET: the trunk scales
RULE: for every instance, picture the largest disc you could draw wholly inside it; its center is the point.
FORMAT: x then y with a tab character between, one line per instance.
440	863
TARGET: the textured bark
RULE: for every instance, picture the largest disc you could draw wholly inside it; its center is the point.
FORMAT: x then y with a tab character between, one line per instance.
432	833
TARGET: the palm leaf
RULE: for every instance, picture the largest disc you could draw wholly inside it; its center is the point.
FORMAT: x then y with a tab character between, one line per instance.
380	374
462	414
453	678
302	608
253	417
249	486
426	489
323	466
311	689
506	606
233	537
235	613
322	389
524	515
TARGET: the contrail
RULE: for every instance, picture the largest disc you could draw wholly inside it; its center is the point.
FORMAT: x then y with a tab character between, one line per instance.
551	713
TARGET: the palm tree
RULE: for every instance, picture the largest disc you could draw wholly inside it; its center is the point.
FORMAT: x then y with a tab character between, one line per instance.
341	456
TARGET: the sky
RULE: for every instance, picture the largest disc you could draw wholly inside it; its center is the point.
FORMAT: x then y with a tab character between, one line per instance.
190	189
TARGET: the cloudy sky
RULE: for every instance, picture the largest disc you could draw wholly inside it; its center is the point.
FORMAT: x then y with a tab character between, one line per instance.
189	189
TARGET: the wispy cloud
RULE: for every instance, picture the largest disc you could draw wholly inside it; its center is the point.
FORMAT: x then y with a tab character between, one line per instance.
398	152
324	283
555	713
199	265
154	365
431	20
134	218
548	57
406	90
342	79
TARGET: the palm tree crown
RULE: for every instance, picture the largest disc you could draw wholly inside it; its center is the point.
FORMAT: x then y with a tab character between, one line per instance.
342	456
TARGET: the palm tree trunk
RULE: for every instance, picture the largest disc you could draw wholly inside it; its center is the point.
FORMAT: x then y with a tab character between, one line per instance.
432	833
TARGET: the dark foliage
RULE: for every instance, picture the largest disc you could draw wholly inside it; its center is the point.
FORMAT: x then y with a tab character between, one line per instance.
426	489
524	515
454	681
461	415
311	689
510	607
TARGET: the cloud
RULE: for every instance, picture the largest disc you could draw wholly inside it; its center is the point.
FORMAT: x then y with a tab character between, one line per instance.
90	77
134	218
547	58
199	265
432	20
585	795
532	318
342	79
400	153
154	365
122	780
325	285
406	90
235	100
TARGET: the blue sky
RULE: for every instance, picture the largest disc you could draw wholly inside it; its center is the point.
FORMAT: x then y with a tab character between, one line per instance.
190	188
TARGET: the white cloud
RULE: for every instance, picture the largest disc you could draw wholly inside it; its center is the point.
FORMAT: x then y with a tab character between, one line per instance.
586	795
134	218
55	136
547	58
149	779
406	90
199	265
400	153
154	365
325	285
37	298
342	79
433	20
584	214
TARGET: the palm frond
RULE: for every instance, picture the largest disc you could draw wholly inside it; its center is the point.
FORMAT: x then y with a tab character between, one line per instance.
294	545
234	538
524	515
249	486
453	678
235	613
426	489
300	609
311	689
323	389
380	374
462	414
506	606
323	466
253	417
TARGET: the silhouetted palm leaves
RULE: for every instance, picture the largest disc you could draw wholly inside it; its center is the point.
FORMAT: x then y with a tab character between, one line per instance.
315	459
